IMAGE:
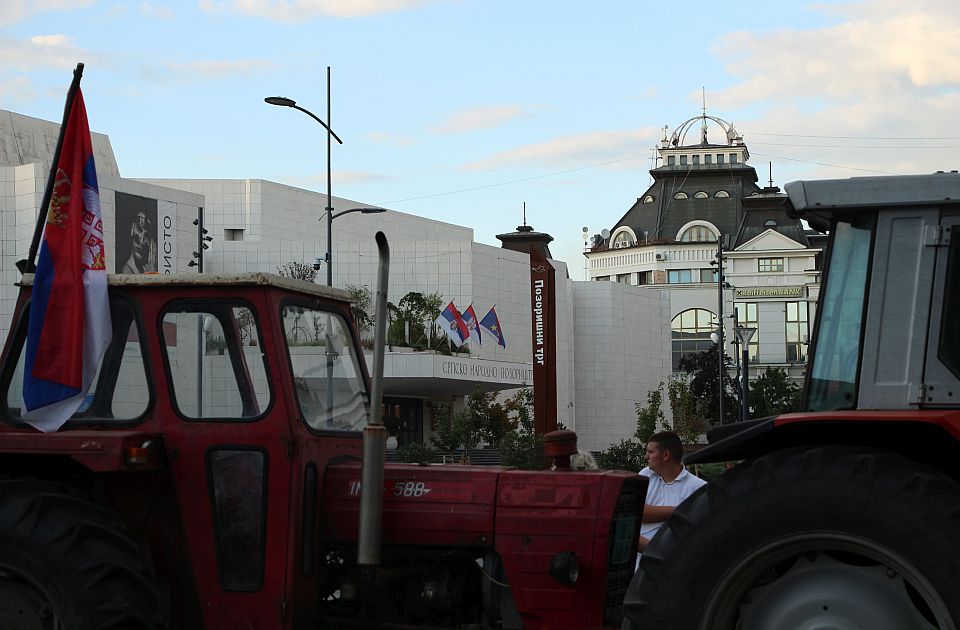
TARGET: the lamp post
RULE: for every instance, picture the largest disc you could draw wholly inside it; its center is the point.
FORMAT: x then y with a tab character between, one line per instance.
283	101
744	334
718	261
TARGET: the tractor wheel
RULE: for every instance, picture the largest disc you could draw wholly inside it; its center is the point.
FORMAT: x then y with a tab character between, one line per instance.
67	564
826	537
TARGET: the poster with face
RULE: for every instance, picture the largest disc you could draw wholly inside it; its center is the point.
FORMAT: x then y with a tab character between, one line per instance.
136	234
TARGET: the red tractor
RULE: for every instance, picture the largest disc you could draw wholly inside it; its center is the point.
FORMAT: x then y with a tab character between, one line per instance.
216	477
845	516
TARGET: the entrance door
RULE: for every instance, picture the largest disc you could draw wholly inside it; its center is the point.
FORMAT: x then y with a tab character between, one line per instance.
404	419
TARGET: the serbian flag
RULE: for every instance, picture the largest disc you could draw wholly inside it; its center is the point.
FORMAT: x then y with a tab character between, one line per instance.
451	322
473	324
69	327
491	322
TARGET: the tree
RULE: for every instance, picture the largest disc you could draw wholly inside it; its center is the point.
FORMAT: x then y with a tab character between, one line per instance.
298	271
408	318
650	416
703	368
521	446
361	300
687	421
772	394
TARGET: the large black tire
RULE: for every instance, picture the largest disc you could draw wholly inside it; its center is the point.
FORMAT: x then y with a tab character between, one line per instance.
825	537
67	563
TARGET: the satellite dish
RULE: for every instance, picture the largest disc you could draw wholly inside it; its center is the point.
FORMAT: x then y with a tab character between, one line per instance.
605	233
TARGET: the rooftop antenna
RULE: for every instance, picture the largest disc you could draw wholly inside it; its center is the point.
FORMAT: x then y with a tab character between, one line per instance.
524	212
703	124
770	164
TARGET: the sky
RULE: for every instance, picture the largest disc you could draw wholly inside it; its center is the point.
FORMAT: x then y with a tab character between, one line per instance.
465	110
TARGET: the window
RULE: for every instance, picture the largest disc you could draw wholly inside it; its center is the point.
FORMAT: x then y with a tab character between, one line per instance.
683	160
948	346
690	333
216	361
644	277
679	276
769	223
648	199
722	194
733	158
769	265
119	391
602	278
708	158
680	195
329	383
833	375
238	479
671	160
747	317
708	275
622	239
231	234
797	331
623	278
696	160
719	158
700	195
698	234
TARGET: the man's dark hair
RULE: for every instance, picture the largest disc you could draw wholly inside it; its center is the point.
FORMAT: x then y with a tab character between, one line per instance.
669	441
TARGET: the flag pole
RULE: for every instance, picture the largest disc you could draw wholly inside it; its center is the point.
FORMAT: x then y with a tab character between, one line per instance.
29	264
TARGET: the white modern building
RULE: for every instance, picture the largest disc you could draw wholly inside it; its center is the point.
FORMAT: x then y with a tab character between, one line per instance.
612	345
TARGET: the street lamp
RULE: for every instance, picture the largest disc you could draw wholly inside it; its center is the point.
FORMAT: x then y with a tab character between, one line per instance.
745	334
283	101
329	255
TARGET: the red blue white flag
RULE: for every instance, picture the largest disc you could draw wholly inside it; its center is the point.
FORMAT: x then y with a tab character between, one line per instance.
473	324
451	322
69	327
491	322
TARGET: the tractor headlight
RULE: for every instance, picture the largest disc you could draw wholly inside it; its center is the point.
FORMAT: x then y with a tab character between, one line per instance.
565	568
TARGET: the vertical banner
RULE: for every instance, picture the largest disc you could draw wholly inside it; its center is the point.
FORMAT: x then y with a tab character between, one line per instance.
136	234
544	330
167	260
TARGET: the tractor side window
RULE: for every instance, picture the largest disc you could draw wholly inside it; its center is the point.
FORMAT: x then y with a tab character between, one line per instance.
833	376
119	391
949	348
238	480
329	382
216	361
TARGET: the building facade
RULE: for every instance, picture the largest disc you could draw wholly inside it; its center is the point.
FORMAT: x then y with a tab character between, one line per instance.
705	194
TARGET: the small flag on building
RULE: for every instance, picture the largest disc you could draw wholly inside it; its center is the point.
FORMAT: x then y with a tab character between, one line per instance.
473	324
69	327
451	322
491	322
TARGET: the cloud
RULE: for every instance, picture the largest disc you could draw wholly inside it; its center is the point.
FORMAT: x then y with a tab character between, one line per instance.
16	10
296	11
876	81
17	90
877	49
191	71
40	51
478	118
389	138
156	11
574	151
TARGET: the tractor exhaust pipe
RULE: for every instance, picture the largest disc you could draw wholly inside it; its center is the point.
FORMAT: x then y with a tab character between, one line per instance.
375	434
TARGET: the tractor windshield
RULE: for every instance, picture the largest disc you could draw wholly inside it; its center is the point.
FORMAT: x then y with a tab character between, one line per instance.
836	356
329	382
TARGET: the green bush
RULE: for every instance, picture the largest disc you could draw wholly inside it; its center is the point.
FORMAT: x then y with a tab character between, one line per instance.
625	455
415	453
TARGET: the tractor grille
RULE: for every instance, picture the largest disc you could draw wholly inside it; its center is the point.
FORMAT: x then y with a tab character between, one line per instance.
621	557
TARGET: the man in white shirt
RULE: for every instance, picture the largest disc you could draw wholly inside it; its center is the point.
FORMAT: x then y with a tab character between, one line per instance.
670	483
